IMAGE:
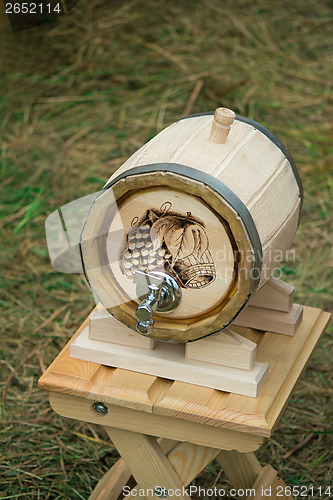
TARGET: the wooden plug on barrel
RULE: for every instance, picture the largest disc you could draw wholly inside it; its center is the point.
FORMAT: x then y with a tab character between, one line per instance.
223	119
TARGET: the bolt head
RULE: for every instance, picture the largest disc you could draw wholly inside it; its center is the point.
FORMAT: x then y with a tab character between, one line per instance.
145	328
100	408
144	312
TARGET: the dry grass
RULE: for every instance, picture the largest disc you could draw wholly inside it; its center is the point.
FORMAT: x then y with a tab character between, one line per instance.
77	98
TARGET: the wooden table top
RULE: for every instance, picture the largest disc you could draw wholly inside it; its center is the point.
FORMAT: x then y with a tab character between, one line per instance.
287	358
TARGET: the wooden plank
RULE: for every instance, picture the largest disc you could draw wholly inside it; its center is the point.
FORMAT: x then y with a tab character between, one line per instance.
146	460
275	250
180	135
242	469
298	366
131	389
167	360
225	348
285	323
275	202
287	357
102	326
274	294
156	425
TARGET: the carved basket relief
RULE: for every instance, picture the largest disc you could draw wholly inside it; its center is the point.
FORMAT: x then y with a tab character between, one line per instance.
175	242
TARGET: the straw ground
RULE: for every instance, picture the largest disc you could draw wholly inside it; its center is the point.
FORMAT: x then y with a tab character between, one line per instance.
79	96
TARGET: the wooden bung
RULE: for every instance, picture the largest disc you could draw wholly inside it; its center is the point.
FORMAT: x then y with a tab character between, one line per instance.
223	119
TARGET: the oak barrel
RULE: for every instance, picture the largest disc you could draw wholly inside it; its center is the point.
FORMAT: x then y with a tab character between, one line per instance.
215	204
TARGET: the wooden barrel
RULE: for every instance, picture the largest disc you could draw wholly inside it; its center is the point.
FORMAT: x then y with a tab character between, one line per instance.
223	208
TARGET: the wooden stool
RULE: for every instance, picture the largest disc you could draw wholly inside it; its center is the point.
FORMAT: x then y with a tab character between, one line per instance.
194	425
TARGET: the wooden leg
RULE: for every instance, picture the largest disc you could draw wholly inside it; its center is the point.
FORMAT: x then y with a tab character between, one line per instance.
188	460
245	472
242	469
150	467
111	484
146	460
269	485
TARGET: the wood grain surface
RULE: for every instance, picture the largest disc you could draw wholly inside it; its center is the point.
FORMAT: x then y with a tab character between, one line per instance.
287	358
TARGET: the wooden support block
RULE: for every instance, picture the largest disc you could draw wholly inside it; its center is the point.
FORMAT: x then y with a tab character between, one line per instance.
271	321
274	294
104	327
168	360
225	348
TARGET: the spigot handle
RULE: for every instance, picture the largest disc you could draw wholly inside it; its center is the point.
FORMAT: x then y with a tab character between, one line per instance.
158	292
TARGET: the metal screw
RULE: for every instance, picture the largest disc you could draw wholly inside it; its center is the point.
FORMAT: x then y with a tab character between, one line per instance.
100	408
161	492
145	327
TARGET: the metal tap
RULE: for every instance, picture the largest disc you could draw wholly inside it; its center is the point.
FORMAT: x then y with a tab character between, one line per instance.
158	291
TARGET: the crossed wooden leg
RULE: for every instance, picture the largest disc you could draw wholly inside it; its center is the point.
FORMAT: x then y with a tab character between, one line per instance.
169	465
242	469
111	484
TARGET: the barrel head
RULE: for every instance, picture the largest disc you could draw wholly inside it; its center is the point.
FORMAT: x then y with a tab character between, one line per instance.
171	219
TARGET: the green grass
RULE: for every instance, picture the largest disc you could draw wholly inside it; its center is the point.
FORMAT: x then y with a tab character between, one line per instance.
77	98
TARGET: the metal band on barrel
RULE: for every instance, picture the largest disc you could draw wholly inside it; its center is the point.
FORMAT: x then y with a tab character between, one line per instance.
271	137
216	185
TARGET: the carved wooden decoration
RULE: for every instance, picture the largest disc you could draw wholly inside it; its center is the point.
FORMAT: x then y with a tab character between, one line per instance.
174	242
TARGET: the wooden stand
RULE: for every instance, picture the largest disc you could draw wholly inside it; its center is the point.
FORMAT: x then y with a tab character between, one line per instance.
226	361
272	308
177	361
193	424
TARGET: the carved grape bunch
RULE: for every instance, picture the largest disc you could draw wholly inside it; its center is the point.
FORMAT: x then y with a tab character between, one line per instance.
170	241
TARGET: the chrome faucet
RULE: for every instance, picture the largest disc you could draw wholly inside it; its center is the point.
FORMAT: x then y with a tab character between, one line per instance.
158	291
